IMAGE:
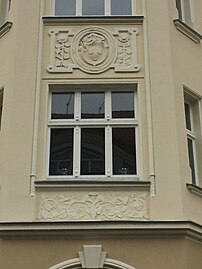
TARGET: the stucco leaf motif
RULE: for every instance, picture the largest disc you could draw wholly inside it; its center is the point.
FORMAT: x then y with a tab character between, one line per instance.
93	206
62	53
124	57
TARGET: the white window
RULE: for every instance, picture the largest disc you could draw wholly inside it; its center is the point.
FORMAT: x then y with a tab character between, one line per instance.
93	131
185	11
92	7
193	130
1	105
4	6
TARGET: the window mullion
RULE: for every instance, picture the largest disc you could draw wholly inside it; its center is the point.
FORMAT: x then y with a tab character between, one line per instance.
107	7
108	151
78	7
77	151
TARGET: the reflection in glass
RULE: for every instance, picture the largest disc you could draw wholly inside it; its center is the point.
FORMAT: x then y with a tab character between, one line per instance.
191	159
124	154
187	116
62	105
92	151
121	7
61	152
123	105
65	7
92	105
95	7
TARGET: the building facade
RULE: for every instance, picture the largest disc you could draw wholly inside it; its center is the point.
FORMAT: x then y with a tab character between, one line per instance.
100	134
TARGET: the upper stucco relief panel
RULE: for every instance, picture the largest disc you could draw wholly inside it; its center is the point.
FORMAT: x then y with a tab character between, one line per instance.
93	50
94	204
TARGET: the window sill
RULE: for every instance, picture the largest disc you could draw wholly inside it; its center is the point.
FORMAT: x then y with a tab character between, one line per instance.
187	31
5	28
91	183
52	20
195	189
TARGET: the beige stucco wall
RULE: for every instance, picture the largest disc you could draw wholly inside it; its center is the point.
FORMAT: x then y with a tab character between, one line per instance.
171	60
139	253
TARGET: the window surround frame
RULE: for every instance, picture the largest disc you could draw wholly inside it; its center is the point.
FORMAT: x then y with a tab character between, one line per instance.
133	122
6	26
107	9
194	102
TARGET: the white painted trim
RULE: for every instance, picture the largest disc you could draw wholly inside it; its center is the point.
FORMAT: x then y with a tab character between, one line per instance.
33	175
149	102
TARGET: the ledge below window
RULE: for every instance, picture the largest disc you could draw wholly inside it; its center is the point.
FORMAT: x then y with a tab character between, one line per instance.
5	28
188	31
195	189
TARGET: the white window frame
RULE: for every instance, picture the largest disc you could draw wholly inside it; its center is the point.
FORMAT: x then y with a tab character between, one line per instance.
194	134
107	4
182	12
105	123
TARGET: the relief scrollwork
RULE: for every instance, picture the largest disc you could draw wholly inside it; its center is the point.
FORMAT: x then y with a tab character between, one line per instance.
93	206
93	50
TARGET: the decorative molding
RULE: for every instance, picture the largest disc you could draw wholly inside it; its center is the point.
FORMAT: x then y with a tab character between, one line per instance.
92	256
188	31
93	50
101	229
95	205
5	28
195	189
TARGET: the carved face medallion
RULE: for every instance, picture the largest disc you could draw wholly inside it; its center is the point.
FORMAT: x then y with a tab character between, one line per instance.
94	50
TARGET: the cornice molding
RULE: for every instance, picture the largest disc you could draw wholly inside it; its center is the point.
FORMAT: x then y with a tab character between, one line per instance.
188	31
195	189
102	229
5	28
54	20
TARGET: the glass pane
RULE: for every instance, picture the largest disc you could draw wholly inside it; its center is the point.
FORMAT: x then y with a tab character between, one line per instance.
92	151
61	152
62	105
93	7
65	7
92	105
124	153
121	7
187	116
123	105
191	159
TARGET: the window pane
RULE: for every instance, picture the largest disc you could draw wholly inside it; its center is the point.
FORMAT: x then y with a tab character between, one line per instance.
62	105
95	7
187	116
121	7
92	105
124	153
92	151
61	152
191	159
123	105
65	7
